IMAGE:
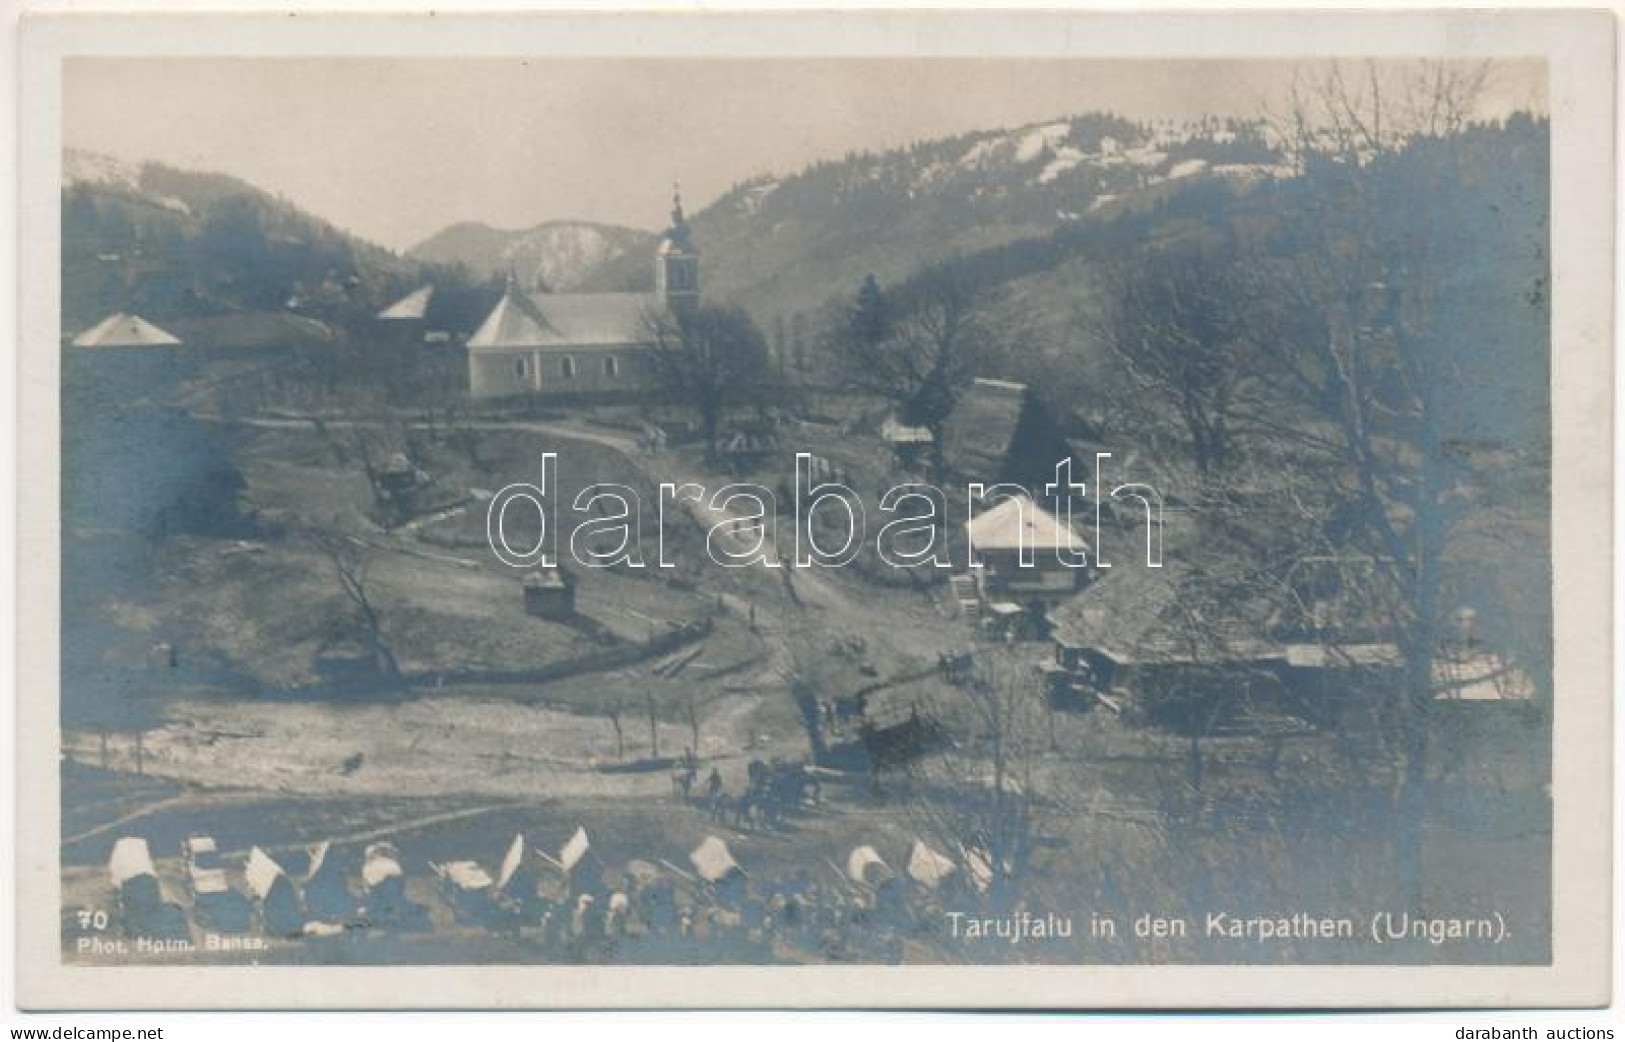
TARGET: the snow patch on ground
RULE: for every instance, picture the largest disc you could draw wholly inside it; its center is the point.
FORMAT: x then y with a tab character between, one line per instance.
1253	171
1066	157
981	152
558	254
1036	141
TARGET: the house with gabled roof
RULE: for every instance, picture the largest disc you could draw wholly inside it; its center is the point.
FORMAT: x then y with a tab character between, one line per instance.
414	307
121	330
122	358
1020	553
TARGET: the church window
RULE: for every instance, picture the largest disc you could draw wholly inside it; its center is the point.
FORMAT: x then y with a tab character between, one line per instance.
612	366
519	367
569	368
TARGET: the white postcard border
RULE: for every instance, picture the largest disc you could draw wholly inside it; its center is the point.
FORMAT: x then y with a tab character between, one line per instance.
1579	48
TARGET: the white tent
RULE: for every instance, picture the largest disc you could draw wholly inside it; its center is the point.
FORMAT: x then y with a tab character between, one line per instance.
281	910
865	865
927	867
464	875
207	875
712	860
511	861
381	862
979	863
316	856
262	872
576	849
326	892
528	873
130	859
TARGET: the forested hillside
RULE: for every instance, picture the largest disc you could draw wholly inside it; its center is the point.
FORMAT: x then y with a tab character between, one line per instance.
172	244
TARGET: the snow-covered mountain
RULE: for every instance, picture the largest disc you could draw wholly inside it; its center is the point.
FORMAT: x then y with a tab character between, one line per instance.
93	168
169	243
786	244
558	254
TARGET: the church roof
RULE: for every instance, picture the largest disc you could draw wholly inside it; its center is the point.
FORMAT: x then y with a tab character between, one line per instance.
121	330
412	306
565	320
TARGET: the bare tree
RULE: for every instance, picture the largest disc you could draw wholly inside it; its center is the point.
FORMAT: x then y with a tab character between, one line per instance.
920	345
350	559
711	359
691	714
1176	318
1359	347
980	795
654	725
807	676
612	709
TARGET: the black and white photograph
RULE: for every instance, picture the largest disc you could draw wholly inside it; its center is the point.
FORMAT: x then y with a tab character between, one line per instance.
817	512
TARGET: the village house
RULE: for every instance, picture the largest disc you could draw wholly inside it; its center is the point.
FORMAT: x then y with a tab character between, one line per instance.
1137	635
403	325
125	331
1157	638
1018	568
592	344
1018	547
121	357
411	347
550	593
417	322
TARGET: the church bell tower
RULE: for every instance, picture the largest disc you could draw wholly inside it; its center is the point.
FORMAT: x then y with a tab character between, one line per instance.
677	265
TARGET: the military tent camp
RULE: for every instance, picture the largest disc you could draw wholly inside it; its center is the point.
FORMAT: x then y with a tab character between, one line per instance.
528	878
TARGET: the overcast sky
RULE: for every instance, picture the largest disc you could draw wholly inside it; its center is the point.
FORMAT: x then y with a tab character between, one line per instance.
395	150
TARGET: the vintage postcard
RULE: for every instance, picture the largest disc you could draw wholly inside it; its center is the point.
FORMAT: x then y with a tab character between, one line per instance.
914	509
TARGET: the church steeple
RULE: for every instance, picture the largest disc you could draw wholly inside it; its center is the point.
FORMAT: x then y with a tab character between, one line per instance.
677	264
678	234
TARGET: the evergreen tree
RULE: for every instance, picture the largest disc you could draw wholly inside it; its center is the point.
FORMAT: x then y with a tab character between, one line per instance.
868	323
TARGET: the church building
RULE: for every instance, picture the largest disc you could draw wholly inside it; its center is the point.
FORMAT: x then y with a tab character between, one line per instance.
583	343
